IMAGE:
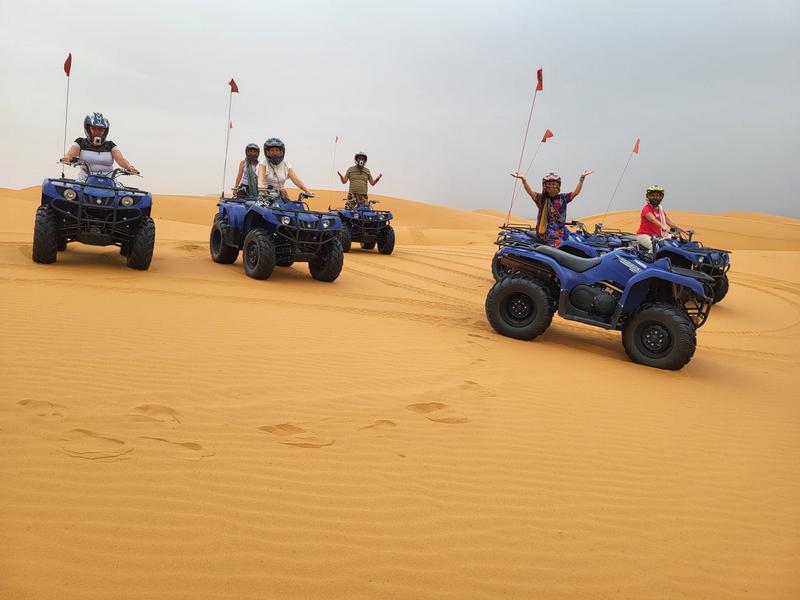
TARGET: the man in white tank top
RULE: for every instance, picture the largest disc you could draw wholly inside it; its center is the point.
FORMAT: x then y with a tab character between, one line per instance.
95	150
274	171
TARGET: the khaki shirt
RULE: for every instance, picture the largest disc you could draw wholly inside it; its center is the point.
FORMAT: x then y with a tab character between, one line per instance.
359	180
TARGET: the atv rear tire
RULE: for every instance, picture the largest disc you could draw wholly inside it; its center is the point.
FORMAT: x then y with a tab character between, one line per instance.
220	251
141	252
519	307
720	288
499	272
368	245
661	336
258	254
327	265
345	237
386	243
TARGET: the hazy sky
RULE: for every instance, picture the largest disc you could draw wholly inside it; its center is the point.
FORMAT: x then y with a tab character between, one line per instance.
436	92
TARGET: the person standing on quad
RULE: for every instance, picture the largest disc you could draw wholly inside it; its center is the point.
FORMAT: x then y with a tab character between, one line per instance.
97	152
552	205
247	178
359	176
274	171
654	219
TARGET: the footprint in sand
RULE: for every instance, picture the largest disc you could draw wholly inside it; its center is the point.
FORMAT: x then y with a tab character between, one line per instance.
379	425
44	409
437	411
173	449
296	436
193	247
157	412
475	389
82	443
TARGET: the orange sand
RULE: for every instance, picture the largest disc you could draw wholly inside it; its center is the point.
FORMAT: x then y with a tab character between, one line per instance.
188	432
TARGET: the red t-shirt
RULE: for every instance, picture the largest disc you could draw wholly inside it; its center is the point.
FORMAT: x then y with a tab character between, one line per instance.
646	227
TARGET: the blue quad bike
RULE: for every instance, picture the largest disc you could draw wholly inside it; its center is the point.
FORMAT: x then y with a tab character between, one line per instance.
362	223
656	305
98	212
274	231
577	242
682	250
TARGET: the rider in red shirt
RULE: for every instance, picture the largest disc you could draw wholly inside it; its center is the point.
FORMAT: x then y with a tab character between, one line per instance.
654	220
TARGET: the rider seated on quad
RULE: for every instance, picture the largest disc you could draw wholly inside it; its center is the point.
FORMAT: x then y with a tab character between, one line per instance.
97	153
274	171
359	176
552	205
246	179
654	219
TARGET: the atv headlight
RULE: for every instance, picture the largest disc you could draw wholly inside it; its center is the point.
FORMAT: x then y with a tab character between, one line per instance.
700	259
355	215
70	194
286	220
326	223
127	201
383	217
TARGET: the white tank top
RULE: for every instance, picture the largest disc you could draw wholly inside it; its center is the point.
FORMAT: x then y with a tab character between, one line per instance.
245	175
275	176
98	158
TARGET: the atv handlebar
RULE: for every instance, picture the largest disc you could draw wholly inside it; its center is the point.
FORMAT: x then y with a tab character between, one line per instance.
79	162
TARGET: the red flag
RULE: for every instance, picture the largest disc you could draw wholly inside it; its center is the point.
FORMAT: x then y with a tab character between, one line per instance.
234	87
68	64
636	147
230	124
547	134
539	86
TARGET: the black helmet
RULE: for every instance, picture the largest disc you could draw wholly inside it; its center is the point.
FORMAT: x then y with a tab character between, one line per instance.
96	120
274	143
362	155
252	147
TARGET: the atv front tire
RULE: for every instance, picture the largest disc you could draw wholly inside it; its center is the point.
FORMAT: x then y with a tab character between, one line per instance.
345	237
720	288
661	336
141	251
327	265
45	238
258	254
386	243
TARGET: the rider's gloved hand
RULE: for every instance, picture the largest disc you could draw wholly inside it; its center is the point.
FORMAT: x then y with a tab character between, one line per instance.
133	170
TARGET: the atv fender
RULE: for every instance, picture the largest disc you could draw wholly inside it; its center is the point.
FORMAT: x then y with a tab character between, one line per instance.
638	285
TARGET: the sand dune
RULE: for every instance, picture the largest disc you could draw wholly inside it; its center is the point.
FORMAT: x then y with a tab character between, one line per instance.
188	432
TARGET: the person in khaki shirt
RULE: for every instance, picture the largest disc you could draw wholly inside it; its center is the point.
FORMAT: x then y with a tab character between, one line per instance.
359	177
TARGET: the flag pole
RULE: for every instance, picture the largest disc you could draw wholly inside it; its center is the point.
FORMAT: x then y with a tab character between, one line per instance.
625	168
518	188
333	164
227	140
525	140
67	70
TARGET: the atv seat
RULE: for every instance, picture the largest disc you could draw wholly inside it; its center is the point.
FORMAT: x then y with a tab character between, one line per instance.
570	261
